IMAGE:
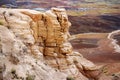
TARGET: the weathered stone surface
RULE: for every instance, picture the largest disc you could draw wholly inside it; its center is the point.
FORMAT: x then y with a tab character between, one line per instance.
35	44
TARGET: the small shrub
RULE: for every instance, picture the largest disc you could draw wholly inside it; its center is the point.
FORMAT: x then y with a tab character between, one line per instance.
13	71
30	77
70	78
14	75
104	70
3	6
1	23
1	69
75	61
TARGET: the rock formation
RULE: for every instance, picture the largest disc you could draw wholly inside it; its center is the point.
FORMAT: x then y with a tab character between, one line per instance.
114	42
34	46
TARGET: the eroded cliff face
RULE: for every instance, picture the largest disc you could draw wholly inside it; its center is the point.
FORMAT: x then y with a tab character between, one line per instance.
34	45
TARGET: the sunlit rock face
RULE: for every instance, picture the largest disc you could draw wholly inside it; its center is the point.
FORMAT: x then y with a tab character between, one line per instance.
113	36
35	45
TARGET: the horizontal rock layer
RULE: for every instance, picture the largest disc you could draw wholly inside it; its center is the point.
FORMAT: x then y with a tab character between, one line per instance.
35	45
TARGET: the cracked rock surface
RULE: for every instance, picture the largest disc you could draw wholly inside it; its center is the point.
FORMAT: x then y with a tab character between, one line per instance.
34	45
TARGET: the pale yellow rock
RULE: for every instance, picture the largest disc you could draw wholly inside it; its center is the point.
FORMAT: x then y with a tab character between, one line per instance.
20	25
49	51
36	43
62	63
53	44
42	30
36	51
34	27
66	48
35	15
7	40
41	49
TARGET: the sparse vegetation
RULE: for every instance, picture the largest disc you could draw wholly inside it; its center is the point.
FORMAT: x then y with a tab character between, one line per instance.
3	6
13	71
14	75
70	78
30	77
75	61
1	70
104	70
1	23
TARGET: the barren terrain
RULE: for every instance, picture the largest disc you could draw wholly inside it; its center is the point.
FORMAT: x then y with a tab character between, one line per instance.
99	51
89	18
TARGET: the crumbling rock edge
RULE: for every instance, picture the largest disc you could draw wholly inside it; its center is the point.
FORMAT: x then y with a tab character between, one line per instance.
114	41
35	45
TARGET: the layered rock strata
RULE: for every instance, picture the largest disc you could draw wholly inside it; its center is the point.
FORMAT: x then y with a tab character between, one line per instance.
35	45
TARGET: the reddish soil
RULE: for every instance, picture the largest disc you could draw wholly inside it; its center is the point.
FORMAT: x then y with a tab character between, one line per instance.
93	23
99	52
44	3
